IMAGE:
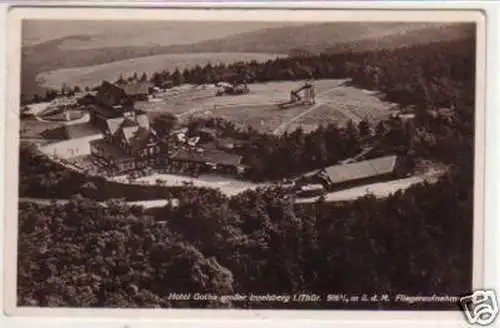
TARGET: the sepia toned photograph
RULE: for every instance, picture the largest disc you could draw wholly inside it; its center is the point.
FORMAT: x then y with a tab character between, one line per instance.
252	165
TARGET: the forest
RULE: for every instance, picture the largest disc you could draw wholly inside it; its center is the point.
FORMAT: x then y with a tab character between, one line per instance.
82	254
416	242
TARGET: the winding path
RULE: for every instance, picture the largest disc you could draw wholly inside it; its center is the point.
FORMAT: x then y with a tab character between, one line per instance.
145	203
379	190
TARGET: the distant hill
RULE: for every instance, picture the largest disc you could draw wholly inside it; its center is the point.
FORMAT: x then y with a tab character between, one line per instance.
105	34
50	55
330	37
425	35
93	75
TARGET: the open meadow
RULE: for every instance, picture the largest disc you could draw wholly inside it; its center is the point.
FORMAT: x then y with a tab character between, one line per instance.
342	104
335	103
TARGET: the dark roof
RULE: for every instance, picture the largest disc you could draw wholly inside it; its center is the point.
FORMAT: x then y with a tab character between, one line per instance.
213	156
111	95
107	111
86	99
73	131
82	130
58	133
191	156
361	170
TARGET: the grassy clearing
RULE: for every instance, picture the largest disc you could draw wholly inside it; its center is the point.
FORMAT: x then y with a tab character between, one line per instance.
265	118
341	105
361	103
336	103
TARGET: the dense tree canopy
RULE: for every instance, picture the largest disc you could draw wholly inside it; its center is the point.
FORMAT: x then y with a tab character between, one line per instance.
82	254
424	75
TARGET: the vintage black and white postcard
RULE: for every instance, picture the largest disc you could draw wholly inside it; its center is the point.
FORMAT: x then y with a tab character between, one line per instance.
246	160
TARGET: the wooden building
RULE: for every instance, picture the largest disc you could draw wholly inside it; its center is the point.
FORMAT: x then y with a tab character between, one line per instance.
193	162
112	96
364	172
130	148
110	102
137	91
358	173
129	143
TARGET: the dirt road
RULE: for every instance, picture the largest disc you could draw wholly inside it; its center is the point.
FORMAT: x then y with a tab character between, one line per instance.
227	186
233	187
145	203
379	190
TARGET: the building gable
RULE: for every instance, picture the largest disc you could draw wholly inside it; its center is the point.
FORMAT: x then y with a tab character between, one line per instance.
113	125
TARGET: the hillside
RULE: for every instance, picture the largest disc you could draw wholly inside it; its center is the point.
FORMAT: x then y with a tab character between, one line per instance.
103	34
426	35
93	75
325	36
56	53
332	37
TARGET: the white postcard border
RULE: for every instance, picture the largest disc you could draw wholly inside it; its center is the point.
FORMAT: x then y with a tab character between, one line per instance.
12	140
